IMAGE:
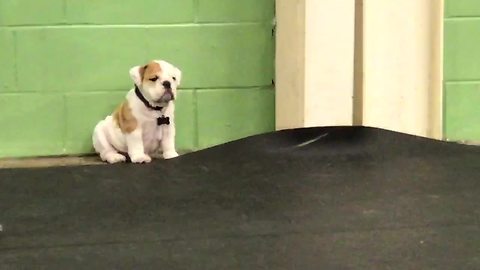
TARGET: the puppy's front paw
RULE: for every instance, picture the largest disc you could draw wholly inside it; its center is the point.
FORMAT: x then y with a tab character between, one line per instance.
170	154
114	157
142	158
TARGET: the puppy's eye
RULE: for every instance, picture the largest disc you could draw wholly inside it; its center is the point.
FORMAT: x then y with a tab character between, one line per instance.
154	79
174	78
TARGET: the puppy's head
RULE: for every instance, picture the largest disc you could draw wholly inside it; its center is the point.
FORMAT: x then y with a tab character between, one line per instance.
158	80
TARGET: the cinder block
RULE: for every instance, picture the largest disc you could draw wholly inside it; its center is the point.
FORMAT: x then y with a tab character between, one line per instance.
31	12
462	8
229	114
130	11
32	124
462	111
78	58
98	58
7	60
223	56
461	53
236	10
83	111
185	120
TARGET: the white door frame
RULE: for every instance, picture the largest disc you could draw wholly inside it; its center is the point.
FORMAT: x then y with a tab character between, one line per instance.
360	62
314	62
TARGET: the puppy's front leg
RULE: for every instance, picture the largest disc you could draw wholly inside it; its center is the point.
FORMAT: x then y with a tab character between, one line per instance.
135	147
168	142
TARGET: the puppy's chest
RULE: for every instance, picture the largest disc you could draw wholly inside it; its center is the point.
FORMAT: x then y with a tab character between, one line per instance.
151	132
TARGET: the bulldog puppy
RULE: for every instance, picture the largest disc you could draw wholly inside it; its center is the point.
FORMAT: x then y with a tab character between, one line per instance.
144	122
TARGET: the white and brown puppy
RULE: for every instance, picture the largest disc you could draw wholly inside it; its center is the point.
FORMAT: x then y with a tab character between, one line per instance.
144	123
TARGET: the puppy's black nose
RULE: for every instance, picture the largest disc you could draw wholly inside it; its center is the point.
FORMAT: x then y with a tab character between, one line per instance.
167	84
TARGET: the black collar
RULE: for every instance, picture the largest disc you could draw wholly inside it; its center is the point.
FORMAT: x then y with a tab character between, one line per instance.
162	120
145	101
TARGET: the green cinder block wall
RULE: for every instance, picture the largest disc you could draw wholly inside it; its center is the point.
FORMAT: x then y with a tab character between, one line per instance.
64	66
462	70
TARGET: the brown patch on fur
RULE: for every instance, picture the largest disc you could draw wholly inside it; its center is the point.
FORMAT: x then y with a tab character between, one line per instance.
151	70
124	118
142	72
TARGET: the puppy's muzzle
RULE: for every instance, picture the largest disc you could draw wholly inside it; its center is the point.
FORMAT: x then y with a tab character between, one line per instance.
167	85
168	95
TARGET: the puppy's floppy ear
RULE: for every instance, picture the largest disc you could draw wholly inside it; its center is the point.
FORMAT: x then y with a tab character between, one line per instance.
136	73
178	75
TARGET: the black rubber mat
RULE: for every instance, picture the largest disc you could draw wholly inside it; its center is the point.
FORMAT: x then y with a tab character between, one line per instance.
320	198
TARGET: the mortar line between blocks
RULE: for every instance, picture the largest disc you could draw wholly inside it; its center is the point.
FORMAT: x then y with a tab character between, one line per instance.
145	25
64	10
196	120
15	62
196	10
65	124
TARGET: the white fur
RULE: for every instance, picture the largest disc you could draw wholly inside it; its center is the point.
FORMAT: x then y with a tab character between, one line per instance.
148	138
